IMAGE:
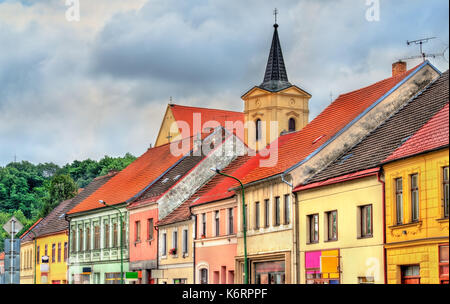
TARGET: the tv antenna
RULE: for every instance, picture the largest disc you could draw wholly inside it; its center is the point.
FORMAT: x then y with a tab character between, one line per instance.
423	55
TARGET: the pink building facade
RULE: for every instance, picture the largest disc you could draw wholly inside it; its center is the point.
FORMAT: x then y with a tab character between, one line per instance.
215	243
143	238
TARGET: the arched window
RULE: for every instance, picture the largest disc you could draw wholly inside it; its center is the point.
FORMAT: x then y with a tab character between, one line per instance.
203	276
291	124
258	129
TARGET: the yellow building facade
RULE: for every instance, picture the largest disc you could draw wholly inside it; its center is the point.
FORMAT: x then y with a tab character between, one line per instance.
176	267
55	247
283	111
417	237
270	235
27	266
341	232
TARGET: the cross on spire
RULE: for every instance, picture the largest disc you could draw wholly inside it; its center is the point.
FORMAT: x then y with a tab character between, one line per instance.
275	13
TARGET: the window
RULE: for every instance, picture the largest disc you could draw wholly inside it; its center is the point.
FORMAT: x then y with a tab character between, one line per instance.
115	236
97	237
106	235
53	253
164	244
443	264
410	274
81	236
150	229
230	221
266	213
175	239
217	222
88	239
287	209
366	221
291	124
204	225
313	228
124	234
399	200
257	215
137	232
258	129
414	197
245	218
445	191
203	276
185	241
65	251
74	241
59	252
38	256
277	211
366	280
332	225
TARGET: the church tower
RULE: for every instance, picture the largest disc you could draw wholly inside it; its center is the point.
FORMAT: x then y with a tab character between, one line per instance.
275	106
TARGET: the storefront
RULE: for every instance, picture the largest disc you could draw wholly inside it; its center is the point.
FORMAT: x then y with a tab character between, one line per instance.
322	267
270	272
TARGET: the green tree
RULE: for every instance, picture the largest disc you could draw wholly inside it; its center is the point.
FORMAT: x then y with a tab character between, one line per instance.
60	188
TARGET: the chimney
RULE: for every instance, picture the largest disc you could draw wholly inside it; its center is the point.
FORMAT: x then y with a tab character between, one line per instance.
398	68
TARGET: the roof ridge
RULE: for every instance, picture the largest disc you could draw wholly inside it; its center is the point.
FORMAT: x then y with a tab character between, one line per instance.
209	109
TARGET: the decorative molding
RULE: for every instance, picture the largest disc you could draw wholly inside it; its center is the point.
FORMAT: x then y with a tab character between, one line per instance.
293	113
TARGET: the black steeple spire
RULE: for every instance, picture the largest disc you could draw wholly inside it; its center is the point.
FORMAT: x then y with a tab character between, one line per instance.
275	78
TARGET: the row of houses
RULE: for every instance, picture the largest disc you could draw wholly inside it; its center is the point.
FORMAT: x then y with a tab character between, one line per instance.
360	194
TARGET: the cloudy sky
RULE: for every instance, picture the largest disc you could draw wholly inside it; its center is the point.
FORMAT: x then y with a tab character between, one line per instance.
75	90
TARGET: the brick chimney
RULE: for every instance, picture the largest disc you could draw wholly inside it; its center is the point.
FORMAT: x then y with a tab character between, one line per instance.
398	68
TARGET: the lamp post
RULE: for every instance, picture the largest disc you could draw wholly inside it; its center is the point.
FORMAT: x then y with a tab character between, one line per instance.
121	238
244	212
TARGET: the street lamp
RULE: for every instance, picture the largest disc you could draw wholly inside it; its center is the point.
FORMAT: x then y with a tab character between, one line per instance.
121	238
244	212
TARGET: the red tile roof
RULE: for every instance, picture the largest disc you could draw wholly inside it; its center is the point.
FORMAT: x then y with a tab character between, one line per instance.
185	113
434	134
217	188
131	180
31	228
339	179
329	122
2	255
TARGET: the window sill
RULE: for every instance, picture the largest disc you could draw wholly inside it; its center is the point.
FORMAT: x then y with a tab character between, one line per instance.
401	226
330	241
365	237
312	243
442	220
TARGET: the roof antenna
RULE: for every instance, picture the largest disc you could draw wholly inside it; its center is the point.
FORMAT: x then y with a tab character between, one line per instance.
423	55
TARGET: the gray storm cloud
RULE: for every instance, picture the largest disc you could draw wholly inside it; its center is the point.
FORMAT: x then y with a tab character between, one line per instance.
73	90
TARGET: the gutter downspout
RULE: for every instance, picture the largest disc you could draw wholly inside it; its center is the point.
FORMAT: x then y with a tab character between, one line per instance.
157	252
383	183
295	279
193	245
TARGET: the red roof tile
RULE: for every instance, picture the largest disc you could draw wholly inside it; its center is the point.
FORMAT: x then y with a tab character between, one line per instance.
31	228
217	188
185	113
329	122
339	179
434	134
131	180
